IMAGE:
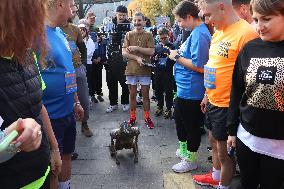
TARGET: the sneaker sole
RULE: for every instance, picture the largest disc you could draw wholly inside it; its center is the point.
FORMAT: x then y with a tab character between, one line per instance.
176	171
203	184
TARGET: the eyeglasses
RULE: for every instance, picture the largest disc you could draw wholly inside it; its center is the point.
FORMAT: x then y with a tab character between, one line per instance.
163	38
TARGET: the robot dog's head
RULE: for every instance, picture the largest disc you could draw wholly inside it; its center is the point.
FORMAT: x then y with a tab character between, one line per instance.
125	128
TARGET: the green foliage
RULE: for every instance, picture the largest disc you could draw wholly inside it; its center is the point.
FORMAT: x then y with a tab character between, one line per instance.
168	6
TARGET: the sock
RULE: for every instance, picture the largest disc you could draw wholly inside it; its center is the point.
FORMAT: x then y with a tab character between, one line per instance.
183	149
132	114
146	114
222	187
64	185
216	174
192	157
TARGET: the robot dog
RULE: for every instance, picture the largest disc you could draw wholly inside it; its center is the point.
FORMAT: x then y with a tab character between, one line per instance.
125	137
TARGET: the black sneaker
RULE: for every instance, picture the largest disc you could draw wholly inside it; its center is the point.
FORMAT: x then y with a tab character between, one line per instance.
168	114
140	103
154	98
209	148
159	111
100	98
94	99
210	159
74	156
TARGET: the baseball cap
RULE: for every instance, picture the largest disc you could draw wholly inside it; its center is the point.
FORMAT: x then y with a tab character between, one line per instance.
82	26
91	15
121	8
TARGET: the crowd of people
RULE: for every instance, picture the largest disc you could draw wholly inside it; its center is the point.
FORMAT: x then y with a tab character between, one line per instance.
220	65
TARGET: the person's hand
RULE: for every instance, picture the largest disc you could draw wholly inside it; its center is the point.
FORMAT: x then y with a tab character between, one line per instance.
140	61
99	59
132	49
204	103
156	58
95	61
56	162
30	134
79	112
231	142
172	54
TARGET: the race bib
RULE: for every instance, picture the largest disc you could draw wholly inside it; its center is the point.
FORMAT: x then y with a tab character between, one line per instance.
70	82
209	77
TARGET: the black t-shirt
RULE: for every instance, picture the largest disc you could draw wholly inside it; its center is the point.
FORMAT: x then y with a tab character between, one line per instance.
168	66
257	96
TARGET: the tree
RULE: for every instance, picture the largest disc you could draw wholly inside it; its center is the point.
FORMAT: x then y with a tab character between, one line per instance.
168	6
85	5
150	8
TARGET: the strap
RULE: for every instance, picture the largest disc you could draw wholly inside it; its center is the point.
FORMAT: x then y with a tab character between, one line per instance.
39	182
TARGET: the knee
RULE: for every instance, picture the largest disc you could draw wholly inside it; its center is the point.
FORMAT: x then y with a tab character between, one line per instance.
132	95
222	156
145	97
212	141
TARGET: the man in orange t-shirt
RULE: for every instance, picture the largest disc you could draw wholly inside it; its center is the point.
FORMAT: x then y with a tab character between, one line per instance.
231	34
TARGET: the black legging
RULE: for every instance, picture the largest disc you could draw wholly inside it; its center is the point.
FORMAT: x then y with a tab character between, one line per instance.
189	119
258	169
164	84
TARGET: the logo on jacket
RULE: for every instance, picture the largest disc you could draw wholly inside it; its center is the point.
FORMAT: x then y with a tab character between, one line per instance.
266	75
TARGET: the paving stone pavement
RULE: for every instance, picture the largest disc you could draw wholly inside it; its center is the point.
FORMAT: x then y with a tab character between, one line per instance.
96	169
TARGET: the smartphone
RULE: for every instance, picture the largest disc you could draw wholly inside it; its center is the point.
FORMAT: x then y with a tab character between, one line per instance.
5	142
231	151
147	64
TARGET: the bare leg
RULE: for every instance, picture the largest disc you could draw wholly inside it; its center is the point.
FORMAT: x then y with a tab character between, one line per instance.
65	174
146	99
226	163
133	92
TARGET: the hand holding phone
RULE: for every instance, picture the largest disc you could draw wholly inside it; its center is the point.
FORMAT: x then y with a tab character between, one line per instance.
231	151
147	64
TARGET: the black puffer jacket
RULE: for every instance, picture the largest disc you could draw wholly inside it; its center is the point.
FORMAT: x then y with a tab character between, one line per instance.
20	97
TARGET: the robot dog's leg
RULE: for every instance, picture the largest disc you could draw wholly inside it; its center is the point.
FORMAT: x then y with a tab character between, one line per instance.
115	155
135	150
136	144
111	148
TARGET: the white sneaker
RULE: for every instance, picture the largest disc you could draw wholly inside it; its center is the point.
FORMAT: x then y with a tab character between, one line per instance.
184	166
125	107
178	154
111	108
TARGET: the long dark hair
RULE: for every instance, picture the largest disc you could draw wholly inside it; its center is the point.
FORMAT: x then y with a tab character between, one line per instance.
185	8
268	7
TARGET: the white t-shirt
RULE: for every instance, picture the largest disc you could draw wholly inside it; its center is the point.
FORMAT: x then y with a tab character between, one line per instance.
91	47
270	147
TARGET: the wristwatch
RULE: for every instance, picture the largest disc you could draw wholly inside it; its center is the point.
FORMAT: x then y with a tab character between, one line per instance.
176	57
